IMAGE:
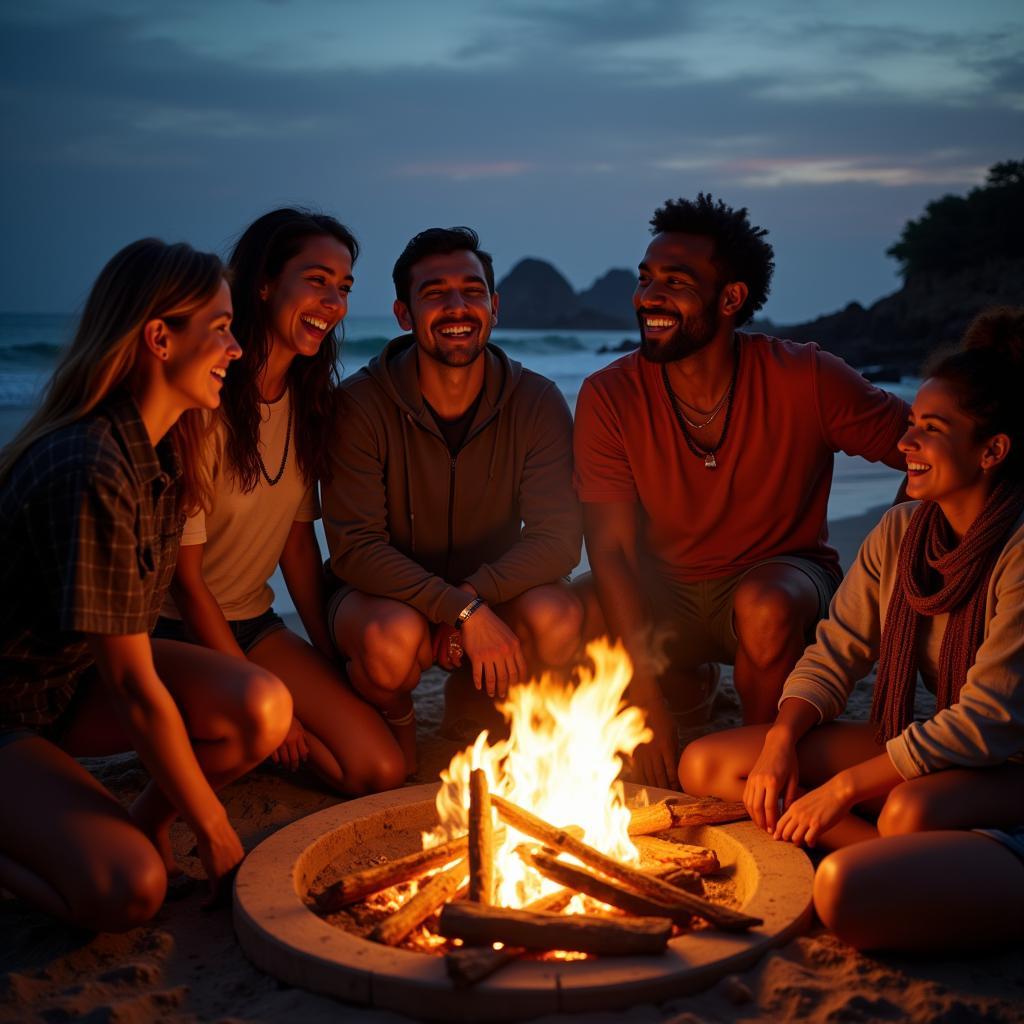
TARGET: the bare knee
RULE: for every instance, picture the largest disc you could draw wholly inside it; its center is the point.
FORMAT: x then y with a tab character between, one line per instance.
385	771
558	631
700	767
838	892
123	892
767	623
265	713
389	653
905	811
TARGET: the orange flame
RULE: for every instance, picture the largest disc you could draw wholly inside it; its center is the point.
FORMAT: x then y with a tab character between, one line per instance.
561	761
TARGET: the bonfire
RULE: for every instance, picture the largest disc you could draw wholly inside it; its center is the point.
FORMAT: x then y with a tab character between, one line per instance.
536	850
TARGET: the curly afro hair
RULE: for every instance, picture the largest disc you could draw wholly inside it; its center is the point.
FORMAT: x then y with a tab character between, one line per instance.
741	252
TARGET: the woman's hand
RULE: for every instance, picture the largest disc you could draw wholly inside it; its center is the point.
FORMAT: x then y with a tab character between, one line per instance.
775	775
221	852
815	813
294	750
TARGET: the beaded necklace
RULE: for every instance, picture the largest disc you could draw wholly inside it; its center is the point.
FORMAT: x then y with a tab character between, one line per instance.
707	454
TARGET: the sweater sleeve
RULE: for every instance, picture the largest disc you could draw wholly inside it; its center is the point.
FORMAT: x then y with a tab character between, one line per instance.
355	521
552	534
986	725
846	643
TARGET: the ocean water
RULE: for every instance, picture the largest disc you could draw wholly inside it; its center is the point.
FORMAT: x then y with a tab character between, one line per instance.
31	343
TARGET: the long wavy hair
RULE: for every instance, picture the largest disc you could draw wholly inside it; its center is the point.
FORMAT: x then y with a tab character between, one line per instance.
147	280
258	258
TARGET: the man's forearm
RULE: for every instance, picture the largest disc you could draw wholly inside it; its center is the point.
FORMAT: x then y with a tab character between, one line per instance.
627	613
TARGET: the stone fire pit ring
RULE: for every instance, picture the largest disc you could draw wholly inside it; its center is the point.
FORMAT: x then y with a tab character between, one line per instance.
283	937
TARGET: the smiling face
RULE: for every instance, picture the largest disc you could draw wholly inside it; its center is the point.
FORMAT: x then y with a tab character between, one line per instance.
677	297
451	310
946	461
309	298
199	352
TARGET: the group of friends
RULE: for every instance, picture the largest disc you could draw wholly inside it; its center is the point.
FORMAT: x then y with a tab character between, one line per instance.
196	427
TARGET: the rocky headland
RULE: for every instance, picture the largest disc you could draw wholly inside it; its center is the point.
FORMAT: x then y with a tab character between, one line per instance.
964	254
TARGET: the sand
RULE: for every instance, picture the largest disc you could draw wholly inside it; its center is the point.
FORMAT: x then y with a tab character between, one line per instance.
185	965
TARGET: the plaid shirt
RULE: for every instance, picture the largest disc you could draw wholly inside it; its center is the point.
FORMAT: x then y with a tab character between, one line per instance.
89	529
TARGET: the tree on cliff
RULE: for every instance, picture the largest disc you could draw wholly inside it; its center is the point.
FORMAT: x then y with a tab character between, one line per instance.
956	232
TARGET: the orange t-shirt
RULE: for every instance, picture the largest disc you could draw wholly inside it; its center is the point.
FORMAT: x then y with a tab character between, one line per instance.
793	408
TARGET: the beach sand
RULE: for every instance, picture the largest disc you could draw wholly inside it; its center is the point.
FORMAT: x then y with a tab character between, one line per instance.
185	965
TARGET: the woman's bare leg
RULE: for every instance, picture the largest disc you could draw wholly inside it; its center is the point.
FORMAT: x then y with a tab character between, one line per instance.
351	747
933	891
388	647
236	714
956	798
718	765
68	847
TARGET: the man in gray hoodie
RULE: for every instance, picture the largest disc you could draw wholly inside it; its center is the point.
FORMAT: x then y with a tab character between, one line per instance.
450	516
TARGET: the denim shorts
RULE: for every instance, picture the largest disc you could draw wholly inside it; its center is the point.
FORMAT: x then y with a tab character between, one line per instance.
248	632
1011	838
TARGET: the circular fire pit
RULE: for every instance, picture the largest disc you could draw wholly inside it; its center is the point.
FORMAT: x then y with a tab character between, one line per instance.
284	938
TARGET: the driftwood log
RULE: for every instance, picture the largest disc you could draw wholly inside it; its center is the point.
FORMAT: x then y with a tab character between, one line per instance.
694	858
647	885
668	814
439	889
481	840
382	876
578	932
470	964
590	884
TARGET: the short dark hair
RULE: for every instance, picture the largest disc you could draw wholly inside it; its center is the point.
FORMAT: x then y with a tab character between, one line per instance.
985	371
432	242
741	253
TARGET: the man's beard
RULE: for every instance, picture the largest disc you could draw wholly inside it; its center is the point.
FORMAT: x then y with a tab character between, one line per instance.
691	335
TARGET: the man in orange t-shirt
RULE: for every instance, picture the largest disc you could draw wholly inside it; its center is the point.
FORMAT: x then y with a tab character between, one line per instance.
704	462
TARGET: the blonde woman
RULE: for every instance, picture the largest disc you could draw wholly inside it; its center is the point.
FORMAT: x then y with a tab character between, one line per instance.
93	492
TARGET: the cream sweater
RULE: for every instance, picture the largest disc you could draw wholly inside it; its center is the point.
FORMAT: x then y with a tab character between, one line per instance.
244	534
986	726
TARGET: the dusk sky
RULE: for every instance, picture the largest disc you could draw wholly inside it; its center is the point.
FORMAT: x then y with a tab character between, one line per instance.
554	127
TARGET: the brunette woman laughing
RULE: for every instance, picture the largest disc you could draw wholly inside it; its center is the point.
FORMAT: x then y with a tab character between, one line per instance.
291	274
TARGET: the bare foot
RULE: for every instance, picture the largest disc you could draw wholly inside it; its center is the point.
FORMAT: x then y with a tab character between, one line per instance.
400	717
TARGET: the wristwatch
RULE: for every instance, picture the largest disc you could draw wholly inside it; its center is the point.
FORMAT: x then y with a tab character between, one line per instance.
467	611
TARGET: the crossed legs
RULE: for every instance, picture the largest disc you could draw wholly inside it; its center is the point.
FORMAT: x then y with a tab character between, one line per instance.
917	881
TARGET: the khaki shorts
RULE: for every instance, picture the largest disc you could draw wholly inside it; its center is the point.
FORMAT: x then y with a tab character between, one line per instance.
696	620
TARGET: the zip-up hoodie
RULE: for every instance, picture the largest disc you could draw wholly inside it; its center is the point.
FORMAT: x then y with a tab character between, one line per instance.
406	519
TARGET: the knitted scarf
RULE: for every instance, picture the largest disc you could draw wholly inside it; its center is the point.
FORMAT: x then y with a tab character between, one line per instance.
935	574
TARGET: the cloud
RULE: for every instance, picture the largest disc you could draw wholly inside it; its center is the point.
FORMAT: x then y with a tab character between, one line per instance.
781	172
558	135
467	171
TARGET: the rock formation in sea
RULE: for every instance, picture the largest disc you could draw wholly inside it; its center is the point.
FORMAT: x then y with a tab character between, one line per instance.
534	295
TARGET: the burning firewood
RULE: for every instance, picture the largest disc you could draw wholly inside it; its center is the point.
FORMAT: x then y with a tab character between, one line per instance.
646	885
602	889
470	964
383	876
441	888
694	858
481	840
579	932
668	814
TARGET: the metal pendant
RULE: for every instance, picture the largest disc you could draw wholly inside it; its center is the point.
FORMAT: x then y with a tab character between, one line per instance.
709	461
